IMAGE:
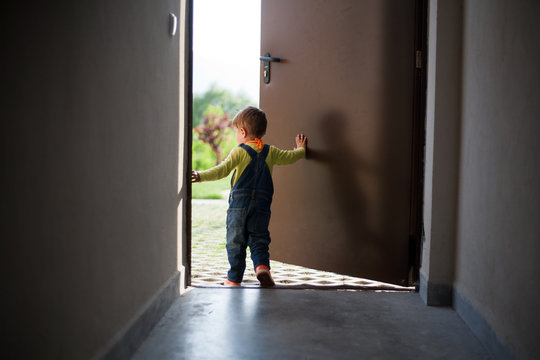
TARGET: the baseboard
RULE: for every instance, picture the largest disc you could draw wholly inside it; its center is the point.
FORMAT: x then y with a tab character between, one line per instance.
481	328
128	340
435	294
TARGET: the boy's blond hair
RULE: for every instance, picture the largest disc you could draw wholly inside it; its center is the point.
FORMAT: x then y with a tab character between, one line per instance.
252	119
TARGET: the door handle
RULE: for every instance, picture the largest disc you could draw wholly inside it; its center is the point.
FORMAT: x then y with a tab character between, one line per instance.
267	59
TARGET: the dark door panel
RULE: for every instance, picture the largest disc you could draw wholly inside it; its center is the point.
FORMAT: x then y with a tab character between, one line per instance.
345	80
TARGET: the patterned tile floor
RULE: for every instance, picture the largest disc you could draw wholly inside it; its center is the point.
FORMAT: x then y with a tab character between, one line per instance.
209	258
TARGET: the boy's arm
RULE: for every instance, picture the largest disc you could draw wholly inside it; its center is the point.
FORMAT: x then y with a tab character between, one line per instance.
223	169
288	157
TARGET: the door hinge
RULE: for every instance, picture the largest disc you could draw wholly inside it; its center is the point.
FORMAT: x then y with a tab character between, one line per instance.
418	59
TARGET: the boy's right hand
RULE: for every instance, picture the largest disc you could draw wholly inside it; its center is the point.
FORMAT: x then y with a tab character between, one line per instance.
195	177
301	141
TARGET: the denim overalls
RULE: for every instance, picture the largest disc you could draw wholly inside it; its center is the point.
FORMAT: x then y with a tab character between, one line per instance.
248	216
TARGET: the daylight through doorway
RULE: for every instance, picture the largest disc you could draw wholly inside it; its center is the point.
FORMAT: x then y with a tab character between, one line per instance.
226	78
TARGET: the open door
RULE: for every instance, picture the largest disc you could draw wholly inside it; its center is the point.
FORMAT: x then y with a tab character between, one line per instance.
346	80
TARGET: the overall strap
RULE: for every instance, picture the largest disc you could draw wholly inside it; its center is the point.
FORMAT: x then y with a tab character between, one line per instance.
263	154
249	150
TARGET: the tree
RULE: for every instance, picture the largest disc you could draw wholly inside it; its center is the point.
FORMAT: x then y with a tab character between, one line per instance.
212	129
215	96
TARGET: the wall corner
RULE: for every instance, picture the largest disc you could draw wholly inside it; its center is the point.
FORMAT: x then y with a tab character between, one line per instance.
433	294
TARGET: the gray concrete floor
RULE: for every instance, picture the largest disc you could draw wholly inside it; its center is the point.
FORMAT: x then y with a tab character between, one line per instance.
308	324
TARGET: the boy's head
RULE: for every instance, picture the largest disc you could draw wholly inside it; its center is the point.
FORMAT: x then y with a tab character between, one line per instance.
253	120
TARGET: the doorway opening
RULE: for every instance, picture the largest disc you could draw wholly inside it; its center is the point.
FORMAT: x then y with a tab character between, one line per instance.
226	43
226	78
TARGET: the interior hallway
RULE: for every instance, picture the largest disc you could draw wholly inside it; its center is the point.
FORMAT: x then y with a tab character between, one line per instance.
95	192
308	324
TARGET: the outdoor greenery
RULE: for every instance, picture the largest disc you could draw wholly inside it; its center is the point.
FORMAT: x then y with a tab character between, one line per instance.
230	103
208	226
211	189
213	136
215	131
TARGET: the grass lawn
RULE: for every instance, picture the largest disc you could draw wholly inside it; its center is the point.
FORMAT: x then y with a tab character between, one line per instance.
211	189
208	227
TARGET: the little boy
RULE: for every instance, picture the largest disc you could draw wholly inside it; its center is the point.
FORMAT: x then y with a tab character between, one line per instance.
250	198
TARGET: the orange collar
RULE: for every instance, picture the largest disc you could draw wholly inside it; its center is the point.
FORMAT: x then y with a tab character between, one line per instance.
256	141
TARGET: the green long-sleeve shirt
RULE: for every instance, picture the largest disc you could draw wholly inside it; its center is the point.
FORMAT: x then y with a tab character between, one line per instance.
239	159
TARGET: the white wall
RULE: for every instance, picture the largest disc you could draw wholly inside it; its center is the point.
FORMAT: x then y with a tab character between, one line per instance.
498	234
90	160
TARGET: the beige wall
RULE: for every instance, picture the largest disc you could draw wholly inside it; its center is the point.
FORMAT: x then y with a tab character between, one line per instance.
90	145
498	244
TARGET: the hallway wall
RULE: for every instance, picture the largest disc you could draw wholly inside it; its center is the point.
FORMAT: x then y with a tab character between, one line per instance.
498	245
90	159
443	115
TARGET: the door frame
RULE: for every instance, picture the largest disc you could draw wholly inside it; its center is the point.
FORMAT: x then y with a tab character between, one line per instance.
186	111
416	223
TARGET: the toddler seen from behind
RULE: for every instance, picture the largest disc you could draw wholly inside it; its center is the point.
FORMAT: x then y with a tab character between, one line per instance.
248	216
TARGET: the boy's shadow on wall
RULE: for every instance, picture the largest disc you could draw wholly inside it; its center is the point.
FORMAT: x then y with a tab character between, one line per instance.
348	171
